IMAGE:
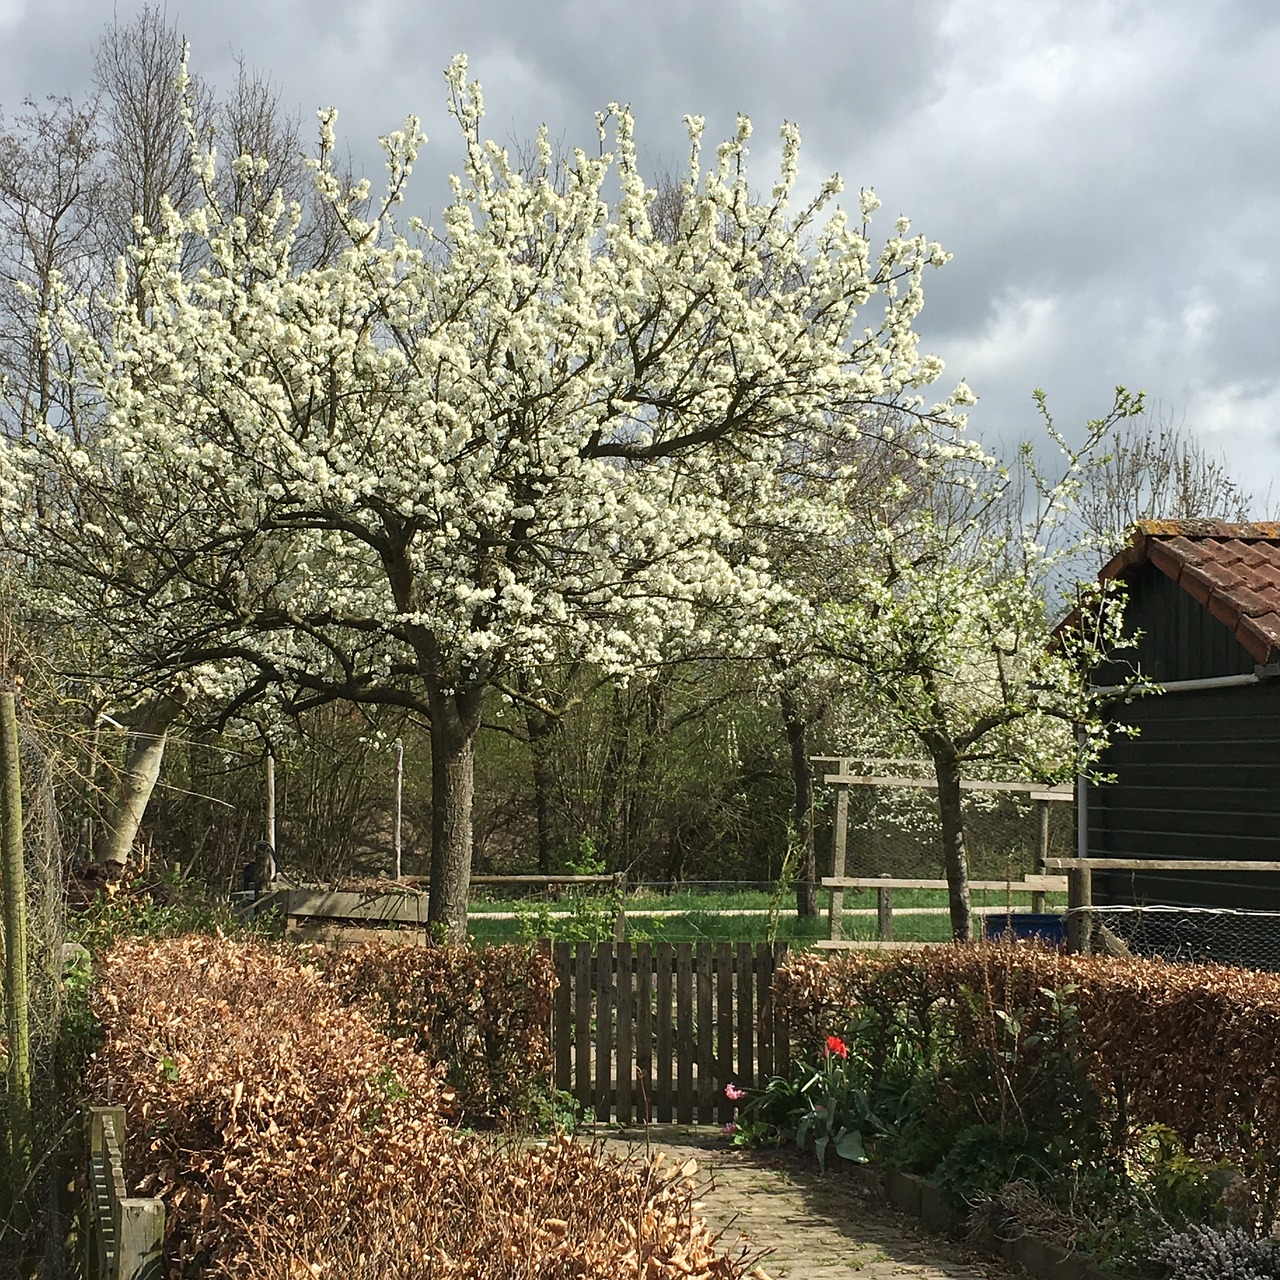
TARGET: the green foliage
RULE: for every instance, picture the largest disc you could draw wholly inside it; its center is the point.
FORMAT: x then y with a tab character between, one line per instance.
1183	1189
577	917
167	905
1033	1087
585	860
824	1104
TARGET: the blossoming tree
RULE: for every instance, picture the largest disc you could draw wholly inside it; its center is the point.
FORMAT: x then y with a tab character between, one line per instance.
946	618
450	455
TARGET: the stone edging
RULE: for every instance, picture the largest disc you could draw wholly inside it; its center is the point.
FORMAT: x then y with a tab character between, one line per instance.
925	1200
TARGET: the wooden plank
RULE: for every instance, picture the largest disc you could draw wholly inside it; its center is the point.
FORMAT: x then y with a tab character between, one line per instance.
1036	789
1160	864
1029	884
742	993
705	1030
684	1032
644	1031
424	882
141	1239
849	945
626	1067
781	1032
562	958
582	1026
401	907
664	1017
724	1027
604	1031
764	1012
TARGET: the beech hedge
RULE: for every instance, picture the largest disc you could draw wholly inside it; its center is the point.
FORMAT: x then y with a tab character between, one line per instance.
1193	1047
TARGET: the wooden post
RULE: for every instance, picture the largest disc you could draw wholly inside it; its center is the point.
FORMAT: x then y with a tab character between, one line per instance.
271	801
884	914
399	804
17	1010
1079	909
140	1238
1037	899
620	918
835	923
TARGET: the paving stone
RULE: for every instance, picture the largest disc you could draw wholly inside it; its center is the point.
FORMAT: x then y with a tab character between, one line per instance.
815	1227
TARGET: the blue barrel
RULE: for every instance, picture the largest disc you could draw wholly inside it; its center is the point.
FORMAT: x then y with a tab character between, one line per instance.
1044	926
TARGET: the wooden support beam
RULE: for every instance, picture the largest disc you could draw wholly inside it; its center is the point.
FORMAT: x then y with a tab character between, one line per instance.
834	925
1030	884
1080	908
1160	864
884	914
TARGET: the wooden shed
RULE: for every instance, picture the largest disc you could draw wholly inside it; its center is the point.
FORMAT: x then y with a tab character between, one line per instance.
1202	778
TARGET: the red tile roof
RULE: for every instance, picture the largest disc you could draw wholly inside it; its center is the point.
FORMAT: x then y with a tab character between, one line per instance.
1231	569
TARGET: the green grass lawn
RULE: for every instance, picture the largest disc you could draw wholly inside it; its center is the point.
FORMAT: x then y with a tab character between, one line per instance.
723	915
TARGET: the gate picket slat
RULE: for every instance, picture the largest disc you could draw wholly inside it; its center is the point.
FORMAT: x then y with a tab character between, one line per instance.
562	954
781	1032
706	1045
657	1032
764	1012
644	1031
604	1030
663	1014
624	1013
724	1027
684	1032
746	1022
582	1026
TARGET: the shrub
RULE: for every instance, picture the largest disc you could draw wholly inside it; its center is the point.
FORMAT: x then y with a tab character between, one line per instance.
1104	1082
251	1088
484	1014
1201	1253
291	1139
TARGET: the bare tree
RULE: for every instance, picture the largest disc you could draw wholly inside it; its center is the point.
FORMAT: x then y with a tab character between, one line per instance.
51	188
1158	468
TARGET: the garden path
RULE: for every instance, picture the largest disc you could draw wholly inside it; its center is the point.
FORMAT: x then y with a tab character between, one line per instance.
817	1227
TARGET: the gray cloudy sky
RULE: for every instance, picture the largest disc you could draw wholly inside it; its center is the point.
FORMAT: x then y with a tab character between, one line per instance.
1104	171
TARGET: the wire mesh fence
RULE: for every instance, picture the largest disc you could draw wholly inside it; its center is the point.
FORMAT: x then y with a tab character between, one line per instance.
1188	935
894	830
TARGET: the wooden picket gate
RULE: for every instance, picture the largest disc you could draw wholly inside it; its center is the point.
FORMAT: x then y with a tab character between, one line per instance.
654	1031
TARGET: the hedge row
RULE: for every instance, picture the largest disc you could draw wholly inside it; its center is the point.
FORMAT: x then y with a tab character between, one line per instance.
1193	1047
484	1013
291	1138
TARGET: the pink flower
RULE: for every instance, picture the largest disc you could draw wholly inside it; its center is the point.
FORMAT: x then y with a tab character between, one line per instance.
729	1130
733	1093
837	1046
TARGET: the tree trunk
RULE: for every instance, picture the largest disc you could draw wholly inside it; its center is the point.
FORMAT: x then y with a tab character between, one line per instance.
541	729
455	721
613	779
144	754
802	808
955	858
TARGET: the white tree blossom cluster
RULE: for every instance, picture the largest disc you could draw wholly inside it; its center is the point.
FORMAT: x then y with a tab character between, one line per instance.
541	430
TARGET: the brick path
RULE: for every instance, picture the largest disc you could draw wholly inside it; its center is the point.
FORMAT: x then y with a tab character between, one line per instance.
817	1227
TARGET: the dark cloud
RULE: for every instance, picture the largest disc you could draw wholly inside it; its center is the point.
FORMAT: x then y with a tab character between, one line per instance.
1102	170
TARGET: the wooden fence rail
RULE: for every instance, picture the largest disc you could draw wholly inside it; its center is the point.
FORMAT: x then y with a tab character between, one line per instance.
125	1239
655	1031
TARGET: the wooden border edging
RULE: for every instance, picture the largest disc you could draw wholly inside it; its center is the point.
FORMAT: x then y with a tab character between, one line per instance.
125	1236
926	1201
